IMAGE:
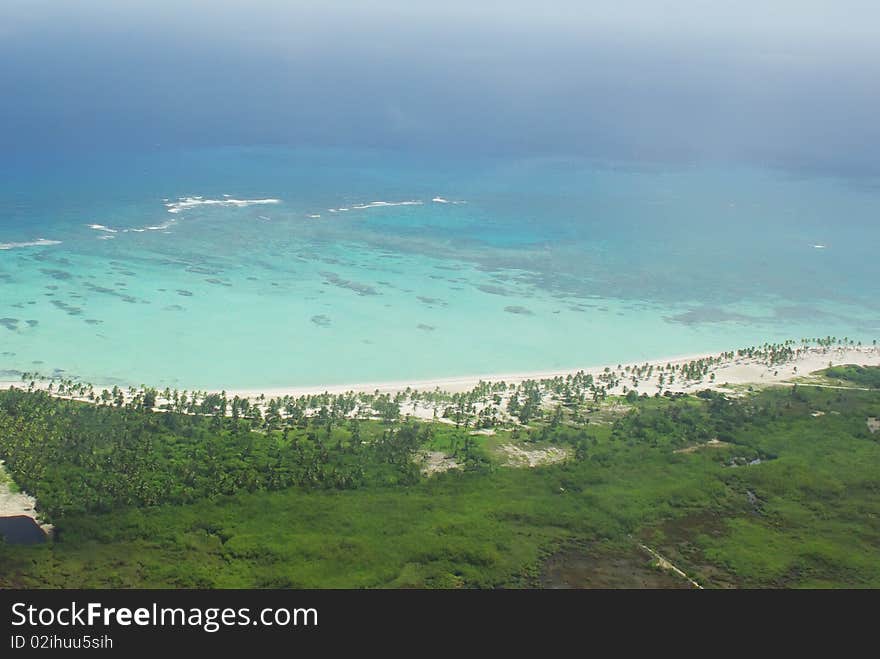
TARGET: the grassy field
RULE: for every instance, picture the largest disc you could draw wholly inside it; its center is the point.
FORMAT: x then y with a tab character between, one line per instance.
780	488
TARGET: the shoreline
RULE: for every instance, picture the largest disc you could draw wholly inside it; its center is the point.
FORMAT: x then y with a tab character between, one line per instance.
452	384
733	372
739	370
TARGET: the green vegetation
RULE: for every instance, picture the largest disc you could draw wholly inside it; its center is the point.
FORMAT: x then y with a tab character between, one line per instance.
76	457
863	376
776	489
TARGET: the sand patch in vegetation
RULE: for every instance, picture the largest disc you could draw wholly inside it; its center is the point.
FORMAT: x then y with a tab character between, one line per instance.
873	424
712	443
435	462
518	457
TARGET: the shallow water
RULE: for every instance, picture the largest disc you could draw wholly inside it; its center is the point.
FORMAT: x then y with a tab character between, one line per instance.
228	268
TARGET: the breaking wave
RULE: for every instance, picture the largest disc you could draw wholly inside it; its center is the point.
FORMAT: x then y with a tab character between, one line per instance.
185	203
39	242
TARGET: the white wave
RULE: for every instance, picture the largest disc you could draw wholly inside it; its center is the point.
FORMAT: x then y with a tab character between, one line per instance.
101	227
440	200
383	204
39	242
314	216
185	203
158	227
377	204
138	230
106	237
263	217
819	247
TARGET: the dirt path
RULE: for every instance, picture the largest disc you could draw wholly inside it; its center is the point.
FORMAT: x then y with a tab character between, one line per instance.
665	564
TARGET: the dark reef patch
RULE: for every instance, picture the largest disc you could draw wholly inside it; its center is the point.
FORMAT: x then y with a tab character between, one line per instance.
69	309
32	323
494	290
94	321
426	328
218	282
61	275
184	293
109	291
10	323
203	270
521	311
708	315
431	301
321	320
357	287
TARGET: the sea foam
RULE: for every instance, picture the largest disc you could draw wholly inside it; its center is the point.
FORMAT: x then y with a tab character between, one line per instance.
185	203
382	204
376	204
39	242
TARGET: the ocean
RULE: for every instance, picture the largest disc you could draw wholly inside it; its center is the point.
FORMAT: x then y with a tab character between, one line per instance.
266	267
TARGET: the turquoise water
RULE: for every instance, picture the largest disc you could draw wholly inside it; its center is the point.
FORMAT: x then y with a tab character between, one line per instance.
212	269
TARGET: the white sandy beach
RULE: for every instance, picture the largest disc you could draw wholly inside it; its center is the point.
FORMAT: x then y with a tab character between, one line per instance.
728	373
740	371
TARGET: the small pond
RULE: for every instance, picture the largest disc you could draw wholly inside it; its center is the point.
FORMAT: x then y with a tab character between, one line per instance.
21	530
